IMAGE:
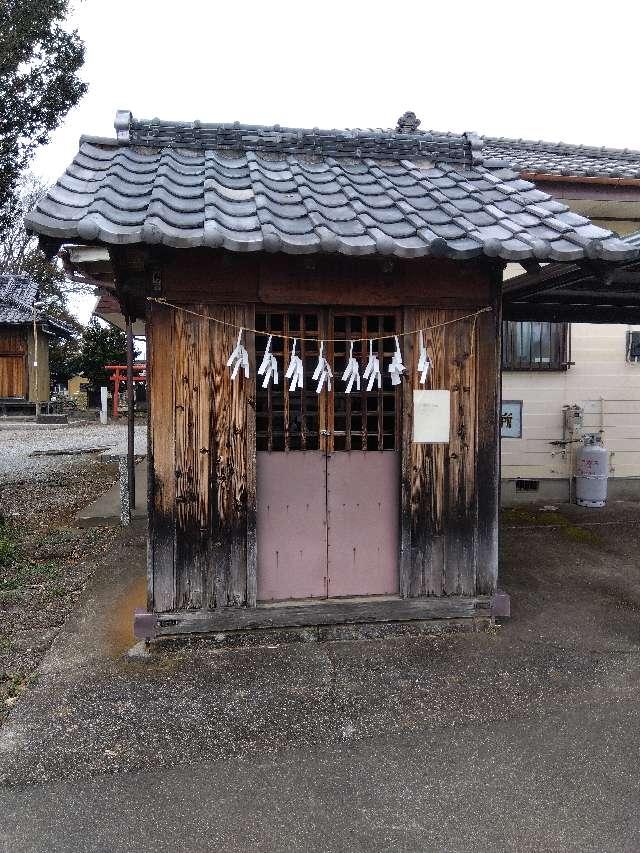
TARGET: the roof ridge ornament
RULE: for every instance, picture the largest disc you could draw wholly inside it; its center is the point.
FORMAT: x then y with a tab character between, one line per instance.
122	125
408	123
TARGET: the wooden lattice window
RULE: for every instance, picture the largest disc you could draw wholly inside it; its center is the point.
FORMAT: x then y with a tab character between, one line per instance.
535	346
287	421
305	420
365	420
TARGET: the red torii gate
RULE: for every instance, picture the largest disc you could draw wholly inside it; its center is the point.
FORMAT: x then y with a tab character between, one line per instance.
120	375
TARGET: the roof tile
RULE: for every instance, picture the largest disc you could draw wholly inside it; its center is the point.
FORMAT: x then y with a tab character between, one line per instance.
252	188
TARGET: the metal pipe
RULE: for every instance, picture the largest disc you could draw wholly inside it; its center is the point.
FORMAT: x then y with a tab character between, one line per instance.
35	360
130	417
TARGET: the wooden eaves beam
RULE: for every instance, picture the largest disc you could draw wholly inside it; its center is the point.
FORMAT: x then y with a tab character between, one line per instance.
555	277
553	312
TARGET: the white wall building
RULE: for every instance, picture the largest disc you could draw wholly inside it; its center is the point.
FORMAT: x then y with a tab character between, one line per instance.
548	367
607	388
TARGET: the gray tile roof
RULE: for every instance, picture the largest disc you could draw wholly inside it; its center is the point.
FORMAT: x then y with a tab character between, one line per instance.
560	158
359	192
376	142
633	239
17	295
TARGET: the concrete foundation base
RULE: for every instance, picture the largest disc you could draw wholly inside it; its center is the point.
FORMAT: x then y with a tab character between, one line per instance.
52	419
557	491
324	633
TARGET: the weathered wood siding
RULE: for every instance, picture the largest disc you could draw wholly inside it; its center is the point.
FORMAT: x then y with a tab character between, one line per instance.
200	460
207	276
202	433
450	491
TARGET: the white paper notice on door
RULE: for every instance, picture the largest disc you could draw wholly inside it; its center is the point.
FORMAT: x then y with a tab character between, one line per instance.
431	417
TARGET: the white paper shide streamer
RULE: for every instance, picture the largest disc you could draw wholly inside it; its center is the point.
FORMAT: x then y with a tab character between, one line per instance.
322	374
351	373
239	358
424	363
372	370
269	367
295	370
396	368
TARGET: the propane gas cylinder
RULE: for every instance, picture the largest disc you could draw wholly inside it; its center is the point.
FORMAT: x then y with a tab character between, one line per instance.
592	471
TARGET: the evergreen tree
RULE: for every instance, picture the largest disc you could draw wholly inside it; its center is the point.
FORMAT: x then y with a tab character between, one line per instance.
100	345
39	61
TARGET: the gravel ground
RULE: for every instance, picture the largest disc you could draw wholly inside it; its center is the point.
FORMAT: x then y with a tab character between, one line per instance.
19	440
45	561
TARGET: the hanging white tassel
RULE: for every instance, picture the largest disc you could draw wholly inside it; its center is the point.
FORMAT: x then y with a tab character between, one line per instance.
424	362
322	373
352	372
295	370
239	358
269	366
372	370
396	368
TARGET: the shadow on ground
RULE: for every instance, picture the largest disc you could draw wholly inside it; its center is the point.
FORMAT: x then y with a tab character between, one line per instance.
522	737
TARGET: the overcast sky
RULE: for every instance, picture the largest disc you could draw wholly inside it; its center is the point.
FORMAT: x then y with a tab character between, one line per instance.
560	71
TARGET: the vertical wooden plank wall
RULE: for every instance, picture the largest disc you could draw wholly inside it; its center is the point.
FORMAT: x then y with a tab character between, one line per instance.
229	462
449	510
192	399
203	489
161	461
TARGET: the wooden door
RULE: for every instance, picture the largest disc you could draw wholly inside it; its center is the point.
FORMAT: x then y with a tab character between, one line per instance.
291	526
363	522
363	470
328	465
13	365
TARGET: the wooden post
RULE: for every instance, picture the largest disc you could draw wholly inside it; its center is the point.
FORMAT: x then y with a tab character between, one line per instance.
103	404
130	416
116	393
125	496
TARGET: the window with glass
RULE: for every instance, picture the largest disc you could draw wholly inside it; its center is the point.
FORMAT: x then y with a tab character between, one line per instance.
535	346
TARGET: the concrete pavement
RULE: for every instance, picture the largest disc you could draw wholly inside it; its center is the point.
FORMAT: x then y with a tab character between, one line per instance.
106	509
522	738
561	782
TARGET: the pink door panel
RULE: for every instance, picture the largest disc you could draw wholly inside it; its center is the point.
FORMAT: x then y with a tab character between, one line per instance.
291	525
363	518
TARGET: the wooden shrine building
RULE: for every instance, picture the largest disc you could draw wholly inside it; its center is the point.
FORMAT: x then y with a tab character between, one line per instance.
272	506
25	333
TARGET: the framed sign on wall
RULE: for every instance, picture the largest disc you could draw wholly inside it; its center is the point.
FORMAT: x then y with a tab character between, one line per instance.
511	419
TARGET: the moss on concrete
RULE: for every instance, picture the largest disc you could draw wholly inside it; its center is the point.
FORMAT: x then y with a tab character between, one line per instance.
526	517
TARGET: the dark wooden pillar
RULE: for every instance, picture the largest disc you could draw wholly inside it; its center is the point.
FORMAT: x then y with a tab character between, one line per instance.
131	468
131	275
488	461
